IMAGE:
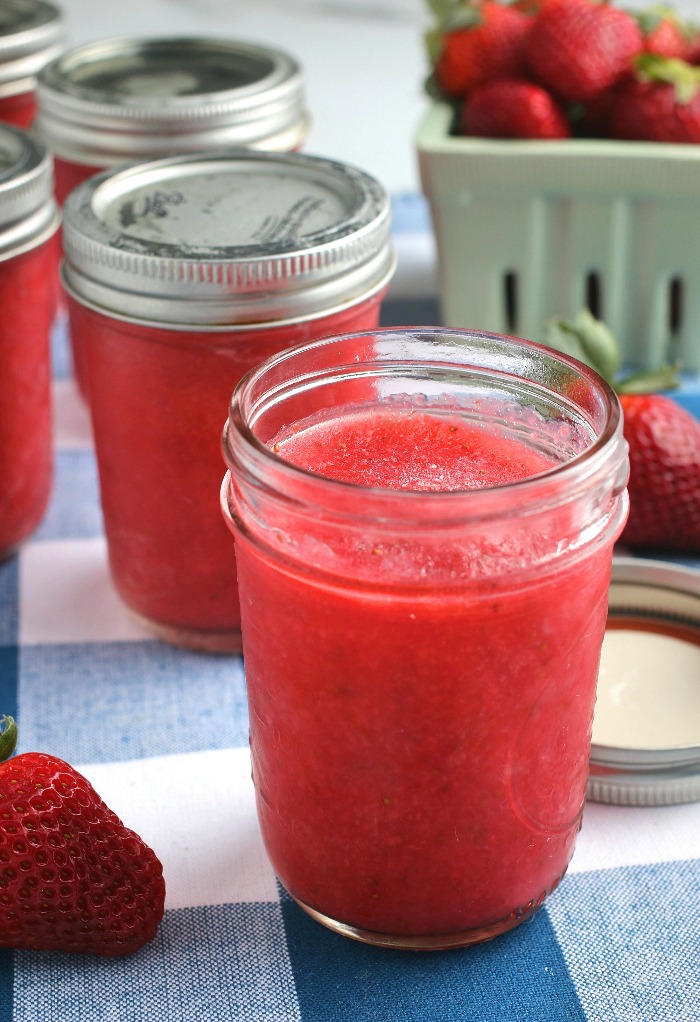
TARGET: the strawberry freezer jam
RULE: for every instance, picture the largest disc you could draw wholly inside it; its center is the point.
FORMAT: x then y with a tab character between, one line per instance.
160	391
420	725
19	109
26	465
28	242
170	306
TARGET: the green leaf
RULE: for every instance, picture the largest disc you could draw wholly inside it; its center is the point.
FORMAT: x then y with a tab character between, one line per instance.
462	17
8	737
453	14
591	341
587	339
562	336
599	343
652	17
685	78
440	8
650	381
433	45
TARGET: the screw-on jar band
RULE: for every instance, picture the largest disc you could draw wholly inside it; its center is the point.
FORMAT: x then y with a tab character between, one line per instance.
28	213
230	237
119	100
31	35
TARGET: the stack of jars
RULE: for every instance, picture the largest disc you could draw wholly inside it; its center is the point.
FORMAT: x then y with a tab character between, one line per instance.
197	240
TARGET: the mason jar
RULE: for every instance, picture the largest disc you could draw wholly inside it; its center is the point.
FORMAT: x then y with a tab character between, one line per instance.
126	100
31	34
28	238
182	274
423	523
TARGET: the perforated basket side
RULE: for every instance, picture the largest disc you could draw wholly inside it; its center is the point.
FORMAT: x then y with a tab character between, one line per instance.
528	230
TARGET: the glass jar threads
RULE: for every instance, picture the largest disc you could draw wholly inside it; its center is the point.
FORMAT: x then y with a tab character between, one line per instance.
182	274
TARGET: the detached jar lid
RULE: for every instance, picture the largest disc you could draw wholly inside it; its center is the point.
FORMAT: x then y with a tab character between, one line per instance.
646	730
31	34
227	237
122	100
28	213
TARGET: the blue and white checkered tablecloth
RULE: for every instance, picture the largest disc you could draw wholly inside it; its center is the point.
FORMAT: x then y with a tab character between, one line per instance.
162	734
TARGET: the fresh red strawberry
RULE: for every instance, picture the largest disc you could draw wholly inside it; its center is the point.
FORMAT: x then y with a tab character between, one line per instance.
664	485
72	876
512	108
663	438
661	104
477	43
665	34
580	48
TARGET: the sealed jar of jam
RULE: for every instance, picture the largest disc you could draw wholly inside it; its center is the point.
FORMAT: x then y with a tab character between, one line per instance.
182	274
31	34
125	100
28	237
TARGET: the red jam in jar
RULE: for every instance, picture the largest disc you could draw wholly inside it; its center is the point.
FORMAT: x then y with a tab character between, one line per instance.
182	274
28	238
423	524
31	34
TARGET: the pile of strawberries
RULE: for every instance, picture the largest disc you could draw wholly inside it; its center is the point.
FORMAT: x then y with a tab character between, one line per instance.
555	69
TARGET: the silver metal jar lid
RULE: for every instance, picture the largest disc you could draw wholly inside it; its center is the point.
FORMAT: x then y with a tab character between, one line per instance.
227	238
123	100
31	34
28	213
646	731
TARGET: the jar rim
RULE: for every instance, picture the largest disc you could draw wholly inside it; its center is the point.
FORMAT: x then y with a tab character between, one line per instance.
608	446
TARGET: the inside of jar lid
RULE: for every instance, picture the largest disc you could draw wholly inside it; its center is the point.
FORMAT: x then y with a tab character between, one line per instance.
649	682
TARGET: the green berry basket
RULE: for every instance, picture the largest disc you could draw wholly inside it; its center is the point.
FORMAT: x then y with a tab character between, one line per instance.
529	230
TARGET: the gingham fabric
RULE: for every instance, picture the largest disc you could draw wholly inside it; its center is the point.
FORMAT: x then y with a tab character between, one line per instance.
161	733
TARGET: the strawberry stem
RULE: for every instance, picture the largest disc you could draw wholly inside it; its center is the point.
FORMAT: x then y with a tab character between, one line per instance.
8	737
649	382
684	77
591	341
587	339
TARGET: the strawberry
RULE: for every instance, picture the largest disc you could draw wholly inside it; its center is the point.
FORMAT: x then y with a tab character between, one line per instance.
512	108
580	48
663	439
665	34
664	486
660	104
72	876
476	43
